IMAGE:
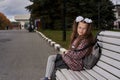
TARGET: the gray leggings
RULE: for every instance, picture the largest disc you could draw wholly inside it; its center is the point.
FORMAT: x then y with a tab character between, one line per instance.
50	65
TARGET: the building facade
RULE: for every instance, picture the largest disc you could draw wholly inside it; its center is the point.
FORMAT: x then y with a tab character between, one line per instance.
23	20
117	15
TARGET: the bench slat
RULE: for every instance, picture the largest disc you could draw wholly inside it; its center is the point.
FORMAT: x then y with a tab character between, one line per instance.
68	75
80	75
109	40
88	75
110	61
111	54
96	75
105	74
110	47
60	76
57	78
110	33
109	68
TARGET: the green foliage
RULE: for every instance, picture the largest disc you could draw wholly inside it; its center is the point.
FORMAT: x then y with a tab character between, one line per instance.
51	12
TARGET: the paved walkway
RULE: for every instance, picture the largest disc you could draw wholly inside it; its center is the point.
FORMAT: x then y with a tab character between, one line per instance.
23	55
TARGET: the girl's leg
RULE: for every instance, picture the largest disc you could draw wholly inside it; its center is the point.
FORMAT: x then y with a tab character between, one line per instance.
50	65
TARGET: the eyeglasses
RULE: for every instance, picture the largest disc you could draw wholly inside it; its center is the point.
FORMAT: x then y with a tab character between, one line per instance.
80	18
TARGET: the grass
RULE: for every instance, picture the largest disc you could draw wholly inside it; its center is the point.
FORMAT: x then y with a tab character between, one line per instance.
56	35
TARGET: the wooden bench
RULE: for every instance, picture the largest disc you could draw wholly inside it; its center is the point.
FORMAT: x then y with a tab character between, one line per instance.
107	68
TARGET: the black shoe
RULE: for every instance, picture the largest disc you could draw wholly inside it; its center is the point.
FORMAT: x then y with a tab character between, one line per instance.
45	78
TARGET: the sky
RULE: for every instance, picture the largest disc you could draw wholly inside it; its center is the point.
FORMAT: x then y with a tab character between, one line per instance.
10	8
116	1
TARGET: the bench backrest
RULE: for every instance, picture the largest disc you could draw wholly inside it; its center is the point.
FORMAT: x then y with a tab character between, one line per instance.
109	63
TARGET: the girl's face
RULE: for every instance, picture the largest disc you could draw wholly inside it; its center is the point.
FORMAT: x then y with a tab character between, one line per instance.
82	28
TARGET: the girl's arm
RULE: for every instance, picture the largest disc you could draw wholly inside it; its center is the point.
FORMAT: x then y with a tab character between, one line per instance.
80	54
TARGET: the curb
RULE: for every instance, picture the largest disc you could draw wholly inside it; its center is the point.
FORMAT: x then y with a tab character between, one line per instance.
52	43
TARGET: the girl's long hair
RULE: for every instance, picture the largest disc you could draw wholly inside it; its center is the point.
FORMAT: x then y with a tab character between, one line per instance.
88	35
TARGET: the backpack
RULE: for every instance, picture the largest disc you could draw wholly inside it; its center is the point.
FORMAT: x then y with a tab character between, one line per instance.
89	61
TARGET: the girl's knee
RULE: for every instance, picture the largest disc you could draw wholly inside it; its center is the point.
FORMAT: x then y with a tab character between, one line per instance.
52	57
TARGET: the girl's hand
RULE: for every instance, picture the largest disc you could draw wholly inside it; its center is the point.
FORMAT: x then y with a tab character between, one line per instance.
66	52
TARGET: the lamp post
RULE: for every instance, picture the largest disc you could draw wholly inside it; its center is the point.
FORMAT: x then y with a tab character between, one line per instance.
30	23
64	20
98	14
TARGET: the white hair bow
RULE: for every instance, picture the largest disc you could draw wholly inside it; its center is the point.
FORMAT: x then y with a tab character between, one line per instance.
88	20
80	18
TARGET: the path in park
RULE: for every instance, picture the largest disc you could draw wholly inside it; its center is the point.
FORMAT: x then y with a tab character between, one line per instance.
23	55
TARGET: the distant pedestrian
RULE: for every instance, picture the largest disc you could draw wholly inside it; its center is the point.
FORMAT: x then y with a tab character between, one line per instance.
81	36
7	27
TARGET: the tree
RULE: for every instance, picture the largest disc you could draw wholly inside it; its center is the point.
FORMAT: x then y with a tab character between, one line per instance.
4	21
51	12
48	11
101	12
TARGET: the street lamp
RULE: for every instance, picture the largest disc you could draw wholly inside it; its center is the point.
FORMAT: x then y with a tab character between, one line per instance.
98	14
64	20
30	24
